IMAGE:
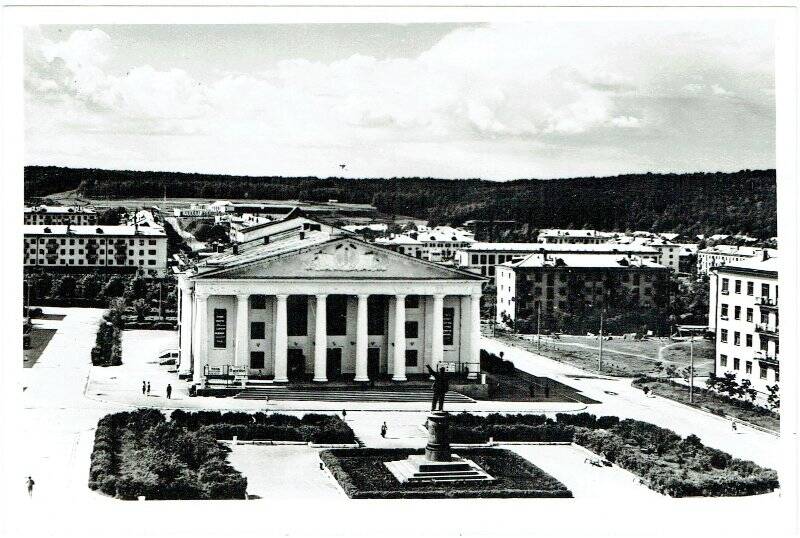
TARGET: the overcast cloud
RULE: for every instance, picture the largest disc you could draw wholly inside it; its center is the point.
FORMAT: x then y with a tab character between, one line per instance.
498	102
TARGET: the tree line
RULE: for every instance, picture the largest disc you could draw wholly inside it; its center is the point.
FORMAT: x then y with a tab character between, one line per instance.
702	202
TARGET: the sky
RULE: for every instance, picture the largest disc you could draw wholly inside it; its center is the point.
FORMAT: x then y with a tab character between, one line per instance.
542	99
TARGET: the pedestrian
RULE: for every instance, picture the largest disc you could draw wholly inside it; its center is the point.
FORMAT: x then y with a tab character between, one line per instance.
144	387
148	388
29	483
344	413
169	391
733	425
383	430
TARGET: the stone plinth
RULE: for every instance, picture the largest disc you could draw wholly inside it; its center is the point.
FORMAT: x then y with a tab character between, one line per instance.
438	447
438	464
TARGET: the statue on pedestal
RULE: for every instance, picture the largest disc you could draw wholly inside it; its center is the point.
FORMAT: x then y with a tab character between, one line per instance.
440	387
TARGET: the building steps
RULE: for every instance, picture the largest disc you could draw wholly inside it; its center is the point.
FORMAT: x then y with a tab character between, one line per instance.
282	393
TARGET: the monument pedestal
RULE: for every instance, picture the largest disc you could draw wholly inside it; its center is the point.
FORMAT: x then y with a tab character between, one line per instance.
438	464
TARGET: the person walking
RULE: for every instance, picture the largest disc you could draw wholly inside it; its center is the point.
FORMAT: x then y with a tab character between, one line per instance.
384	428
344	413
733	425
29	483
144	387
148	388
169	391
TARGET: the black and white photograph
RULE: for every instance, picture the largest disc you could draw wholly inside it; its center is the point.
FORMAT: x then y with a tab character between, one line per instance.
403	271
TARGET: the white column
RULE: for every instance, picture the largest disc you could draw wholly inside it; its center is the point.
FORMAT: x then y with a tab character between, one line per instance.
361	339
474	365
399	338
281	340
321	339
201	332
240	357
437	345
186	328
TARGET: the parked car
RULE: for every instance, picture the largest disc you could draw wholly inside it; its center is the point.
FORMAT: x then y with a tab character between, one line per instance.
169	357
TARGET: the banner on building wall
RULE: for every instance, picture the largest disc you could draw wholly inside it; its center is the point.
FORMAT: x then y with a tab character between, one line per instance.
448	317
220	327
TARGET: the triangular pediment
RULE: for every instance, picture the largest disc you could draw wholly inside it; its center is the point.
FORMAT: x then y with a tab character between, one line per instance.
346	258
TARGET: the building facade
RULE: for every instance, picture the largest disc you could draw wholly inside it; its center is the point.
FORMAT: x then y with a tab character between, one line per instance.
555	282
438	244
481	258
111	248
325	305
46	214
574	237
720	255
743	313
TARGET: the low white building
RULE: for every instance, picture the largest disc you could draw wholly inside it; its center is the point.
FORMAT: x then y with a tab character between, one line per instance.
322	304
56	214
438	244
720	255
566	236
111	248
481	258
743	313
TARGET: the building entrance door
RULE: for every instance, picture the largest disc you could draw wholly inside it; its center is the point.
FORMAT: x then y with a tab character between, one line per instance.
373	362
296	364
334	363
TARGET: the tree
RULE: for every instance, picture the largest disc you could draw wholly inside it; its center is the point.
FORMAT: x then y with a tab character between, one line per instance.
658	368
141	308
672	371
115	287
112	216
727	384
745	390
773	397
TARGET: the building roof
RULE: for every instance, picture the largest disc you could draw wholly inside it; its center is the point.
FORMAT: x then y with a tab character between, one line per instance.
556	232
585	261
400	239
754	265
58	209
61	229
732	250
566	248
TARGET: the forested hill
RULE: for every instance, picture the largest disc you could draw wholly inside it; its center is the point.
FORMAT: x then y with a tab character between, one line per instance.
743	201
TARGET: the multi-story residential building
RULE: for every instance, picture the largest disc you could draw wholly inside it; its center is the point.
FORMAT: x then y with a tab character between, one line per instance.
687	257
437	244
583	237
481	258
720	255
111	248
55	214
743	313
668	253
556	282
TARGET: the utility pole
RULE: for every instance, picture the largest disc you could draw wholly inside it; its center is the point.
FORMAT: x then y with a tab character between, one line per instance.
538	326
691	367
600	356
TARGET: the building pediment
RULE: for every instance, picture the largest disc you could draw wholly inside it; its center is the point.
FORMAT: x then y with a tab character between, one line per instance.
346	258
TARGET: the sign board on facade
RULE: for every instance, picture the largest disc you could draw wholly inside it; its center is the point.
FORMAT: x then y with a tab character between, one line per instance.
220	327
448	316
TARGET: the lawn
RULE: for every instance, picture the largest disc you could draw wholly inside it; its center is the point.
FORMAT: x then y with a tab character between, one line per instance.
39	340
362	474
621	357
714	402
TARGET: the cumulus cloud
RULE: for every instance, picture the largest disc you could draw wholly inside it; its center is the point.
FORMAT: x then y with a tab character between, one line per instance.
510	95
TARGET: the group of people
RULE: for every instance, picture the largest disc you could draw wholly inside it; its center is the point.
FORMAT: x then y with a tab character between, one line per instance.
146	389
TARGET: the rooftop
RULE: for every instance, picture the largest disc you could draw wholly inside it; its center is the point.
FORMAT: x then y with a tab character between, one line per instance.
60	209
566	248
733	250
61	229
756	264
594	261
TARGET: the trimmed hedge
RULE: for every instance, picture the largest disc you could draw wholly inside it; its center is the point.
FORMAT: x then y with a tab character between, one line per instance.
667	463
362	474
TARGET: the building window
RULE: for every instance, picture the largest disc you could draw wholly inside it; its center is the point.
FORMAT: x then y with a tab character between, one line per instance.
412	329
723	335
777	376
474	259
748	340
763	344
257	330
412	356
297	315
750	315
151	242
723	360
336	313
765	317
737	286
765	290
748	367
151	262
735	363
737	338
749	287
724	285
258	302
762	372
412	301
151	252
256	359
724	311
737	312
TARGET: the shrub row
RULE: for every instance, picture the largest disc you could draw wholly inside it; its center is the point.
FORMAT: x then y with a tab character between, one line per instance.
665	462
493	364
107	350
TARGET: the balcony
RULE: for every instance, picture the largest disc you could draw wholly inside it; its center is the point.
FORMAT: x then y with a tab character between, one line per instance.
767	330
762	356
768	303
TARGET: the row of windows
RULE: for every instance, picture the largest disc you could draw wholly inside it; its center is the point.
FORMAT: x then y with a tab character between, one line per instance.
257	359
63	251
737	313
737	287
491	259
89	241
99	262
748	340
748	367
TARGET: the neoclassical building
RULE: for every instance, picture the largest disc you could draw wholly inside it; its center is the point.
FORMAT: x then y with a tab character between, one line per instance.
317	302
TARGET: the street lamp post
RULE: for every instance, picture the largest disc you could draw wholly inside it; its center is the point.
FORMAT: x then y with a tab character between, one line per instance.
600	355
538	326
691	367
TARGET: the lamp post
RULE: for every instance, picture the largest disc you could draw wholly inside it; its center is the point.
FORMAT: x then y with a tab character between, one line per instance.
691	367
538	326
600	355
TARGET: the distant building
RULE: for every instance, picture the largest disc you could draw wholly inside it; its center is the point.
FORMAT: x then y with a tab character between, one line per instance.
111	248
583	237
743	313
481	258
687	257
295	221
720	255
55	214
437	244
377	227
553	281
